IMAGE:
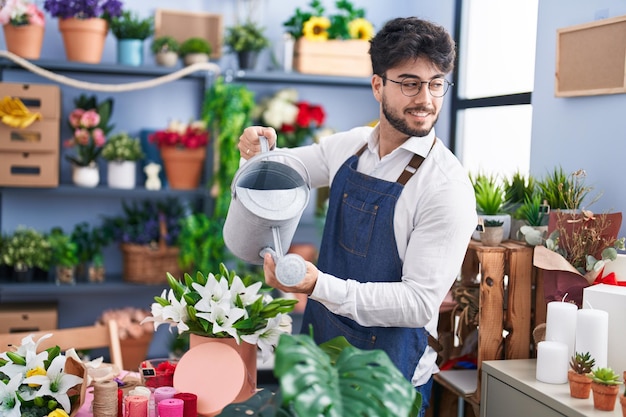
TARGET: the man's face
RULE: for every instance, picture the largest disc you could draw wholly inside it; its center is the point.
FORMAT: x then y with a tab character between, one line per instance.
416	115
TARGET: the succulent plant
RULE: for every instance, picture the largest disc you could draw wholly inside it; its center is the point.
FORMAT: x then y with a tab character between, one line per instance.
582	363
605	376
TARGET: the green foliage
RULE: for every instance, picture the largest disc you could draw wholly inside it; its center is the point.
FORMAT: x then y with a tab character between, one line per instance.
122	147
489	194
605	376
246	37
493	223
25	248
89	242
227	109
338	22
565	192
130	26
516	190
64	250
195	46
195	248
164	44
333	379
532	210
582	363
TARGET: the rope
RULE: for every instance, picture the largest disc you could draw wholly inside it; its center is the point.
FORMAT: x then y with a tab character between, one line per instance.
138	85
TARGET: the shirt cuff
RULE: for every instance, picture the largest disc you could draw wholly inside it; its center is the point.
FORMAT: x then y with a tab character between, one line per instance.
330	291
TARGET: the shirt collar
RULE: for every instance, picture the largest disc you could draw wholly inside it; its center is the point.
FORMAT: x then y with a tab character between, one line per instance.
418	145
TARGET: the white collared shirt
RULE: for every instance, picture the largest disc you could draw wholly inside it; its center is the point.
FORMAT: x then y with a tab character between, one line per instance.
434	219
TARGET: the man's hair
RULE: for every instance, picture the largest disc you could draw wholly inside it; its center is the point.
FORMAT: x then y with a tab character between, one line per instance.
407	38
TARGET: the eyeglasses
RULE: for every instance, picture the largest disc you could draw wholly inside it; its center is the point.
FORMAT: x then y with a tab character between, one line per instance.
411	86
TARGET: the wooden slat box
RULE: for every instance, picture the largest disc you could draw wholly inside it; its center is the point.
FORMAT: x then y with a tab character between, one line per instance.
348	58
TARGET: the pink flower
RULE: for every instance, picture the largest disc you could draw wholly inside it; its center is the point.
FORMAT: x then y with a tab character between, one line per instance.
90	118
75	117
98	137
35	15
81	136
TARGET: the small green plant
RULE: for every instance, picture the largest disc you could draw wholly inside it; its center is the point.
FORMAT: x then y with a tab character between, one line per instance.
489	194
25	248
565	192
164	43
122	147
582	363
246	37
130	26
90	242
195	46
64	250
493	223
516	190
605	376
532	210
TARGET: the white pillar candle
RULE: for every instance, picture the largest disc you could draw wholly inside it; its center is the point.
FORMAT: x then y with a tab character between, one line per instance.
592	334
552	362
561	324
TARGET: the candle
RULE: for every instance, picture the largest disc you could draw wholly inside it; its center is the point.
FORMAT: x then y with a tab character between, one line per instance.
552	362
561	324
592	334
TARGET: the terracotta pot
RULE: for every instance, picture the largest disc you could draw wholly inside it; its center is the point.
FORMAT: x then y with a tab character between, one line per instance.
24	41
579	385
135	350
84	39
183	167
622	401
604	396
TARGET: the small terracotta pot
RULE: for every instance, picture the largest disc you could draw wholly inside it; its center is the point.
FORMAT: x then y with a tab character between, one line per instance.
604	396
622	401
579	385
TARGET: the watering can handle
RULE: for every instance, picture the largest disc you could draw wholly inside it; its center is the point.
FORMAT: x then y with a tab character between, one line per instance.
290	268
265	144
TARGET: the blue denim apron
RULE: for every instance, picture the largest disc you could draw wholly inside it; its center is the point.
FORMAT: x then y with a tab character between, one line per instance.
359	243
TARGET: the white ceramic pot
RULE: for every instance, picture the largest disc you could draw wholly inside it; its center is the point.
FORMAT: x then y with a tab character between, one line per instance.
166	59
88	176
121	174
195	58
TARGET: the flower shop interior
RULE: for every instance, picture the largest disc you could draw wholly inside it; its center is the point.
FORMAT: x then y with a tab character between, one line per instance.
492	367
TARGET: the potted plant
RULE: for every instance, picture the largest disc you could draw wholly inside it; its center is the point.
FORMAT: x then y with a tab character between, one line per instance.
84	26
90	242
622	398
490	202
122	152
492	233
23	24
354	381
246	40
135	336
64	256
195	50
24	250
605	388
579	374
131	31
562	191
516	189
165	49
183	149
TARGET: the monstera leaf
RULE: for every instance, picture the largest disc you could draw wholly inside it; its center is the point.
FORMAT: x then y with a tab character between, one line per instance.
334	379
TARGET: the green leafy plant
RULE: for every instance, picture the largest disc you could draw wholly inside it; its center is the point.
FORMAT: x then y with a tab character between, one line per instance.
333	379
489	194
195	46
532	210
246	37
90	241
122	147
64	250
563	191
131	26
516	190
25	248
164	43
493	223
605	376
582	363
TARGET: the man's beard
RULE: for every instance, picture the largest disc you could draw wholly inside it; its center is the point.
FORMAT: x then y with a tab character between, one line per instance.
401	125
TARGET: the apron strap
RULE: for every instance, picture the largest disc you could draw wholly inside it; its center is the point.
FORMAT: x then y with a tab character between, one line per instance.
410	169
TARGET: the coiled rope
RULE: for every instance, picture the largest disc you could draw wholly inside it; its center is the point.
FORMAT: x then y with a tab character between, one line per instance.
124	87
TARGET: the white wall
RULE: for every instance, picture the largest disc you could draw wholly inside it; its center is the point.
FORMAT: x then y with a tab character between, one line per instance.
582	132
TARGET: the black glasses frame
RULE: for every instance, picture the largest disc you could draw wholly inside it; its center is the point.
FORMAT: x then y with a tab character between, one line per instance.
448	84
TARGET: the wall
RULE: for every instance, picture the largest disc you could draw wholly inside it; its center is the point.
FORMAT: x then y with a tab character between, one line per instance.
582	132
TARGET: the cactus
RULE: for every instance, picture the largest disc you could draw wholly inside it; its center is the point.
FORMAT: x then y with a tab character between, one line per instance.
581	363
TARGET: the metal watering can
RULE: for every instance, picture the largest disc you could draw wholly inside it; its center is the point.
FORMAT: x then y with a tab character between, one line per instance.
268	198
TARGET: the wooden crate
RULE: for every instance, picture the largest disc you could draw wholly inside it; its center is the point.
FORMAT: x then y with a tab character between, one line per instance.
182	25
15	317
348	58
505	276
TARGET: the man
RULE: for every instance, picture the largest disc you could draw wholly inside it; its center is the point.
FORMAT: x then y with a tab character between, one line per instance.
401	209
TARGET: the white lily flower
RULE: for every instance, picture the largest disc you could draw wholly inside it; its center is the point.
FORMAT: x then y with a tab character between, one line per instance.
249	294
55	383
9	401
214	292
267	338
223	319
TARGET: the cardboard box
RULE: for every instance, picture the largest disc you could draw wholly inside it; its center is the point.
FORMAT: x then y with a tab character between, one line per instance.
30	156
29	169
182	25
612	299
15	317
349	58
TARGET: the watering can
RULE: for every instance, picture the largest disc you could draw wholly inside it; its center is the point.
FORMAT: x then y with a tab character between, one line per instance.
268	198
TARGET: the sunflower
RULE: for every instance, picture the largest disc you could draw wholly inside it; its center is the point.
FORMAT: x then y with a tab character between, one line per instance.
361	29
314	29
